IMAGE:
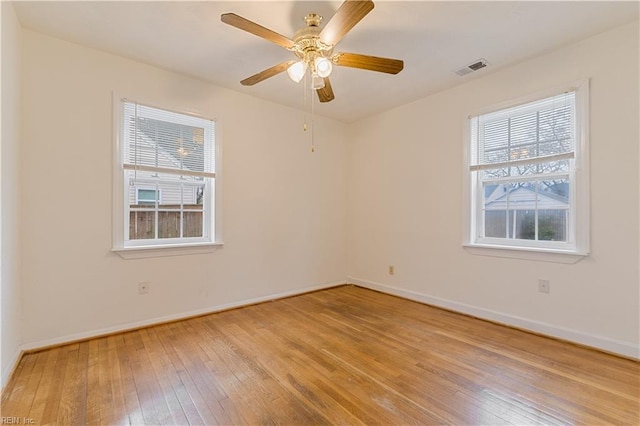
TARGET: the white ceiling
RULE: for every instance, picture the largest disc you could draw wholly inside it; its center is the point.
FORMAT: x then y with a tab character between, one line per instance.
433	38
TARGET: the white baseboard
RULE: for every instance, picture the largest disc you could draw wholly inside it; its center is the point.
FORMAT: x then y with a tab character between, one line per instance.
603	343
6	374
626	349
167	318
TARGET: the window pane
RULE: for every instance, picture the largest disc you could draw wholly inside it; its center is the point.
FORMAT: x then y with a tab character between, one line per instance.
179	212
523	152
522	224
495	223
192	224
523	128
199	195
553	209
172	198
169	224
496	156
193	219
517	198
558	166
142	225
556	189
529	210
133	200
559	146
496	135
523	170
496	173
556	124
167	144
495	210
552	225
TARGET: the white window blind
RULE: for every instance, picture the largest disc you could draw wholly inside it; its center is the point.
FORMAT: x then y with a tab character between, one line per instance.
538	134
161	141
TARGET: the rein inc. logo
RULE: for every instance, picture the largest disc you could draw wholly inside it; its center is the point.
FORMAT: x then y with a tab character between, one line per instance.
17	420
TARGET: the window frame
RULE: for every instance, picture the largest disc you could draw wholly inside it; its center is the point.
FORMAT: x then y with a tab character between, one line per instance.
578	243
161	247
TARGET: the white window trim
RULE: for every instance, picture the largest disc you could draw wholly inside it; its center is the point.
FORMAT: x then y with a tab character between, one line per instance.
518	249
144	252
118	216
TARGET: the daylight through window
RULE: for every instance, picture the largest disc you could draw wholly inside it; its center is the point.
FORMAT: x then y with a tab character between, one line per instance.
168	165
522	168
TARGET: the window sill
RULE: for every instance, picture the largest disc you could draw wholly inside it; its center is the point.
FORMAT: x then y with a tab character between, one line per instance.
144	252
528	253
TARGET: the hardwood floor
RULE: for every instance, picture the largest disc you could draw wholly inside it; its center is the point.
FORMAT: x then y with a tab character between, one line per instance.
346	355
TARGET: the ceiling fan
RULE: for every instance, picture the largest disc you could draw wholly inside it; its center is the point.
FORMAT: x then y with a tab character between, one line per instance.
314	46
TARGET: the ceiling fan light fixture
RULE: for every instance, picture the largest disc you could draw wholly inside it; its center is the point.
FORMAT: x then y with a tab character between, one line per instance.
317	82
314	48
297	71
323	66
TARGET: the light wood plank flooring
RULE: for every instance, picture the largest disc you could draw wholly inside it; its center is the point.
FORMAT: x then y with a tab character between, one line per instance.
346	355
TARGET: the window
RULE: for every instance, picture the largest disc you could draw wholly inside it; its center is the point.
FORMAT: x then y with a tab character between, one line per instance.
527	177
166	179
147	196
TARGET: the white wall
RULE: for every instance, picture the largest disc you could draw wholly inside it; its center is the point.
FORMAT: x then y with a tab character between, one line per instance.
284	225
10	290
287	212
405	205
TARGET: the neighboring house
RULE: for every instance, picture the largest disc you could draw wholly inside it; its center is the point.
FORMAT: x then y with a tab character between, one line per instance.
511	213
145	187
179	198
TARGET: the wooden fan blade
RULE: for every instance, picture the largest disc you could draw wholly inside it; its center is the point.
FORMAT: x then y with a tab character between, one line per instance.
269	72
345	18
326	93
253	28
366	62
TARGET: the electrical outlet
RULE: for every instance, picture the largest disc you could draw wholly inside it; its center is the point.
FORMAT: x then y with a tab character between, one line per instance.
143	287
544	286
392	269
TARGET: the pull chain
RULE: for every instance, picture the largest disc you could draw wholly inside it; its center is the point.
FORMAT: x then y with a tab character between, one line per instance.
304	103
305	126
313	127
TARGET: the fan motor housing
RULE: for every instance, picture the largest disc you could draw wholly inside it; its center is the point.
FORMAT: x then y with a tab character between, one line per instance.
307	40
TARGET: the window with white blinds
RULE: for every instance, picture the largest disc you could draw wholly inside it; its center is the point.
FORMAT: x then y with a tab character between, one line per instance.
167	142
530	138
522	165
167	170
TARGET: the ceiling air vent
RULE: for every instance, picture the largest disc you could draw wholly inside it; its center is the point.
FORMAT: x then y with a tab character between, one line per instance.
480	63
